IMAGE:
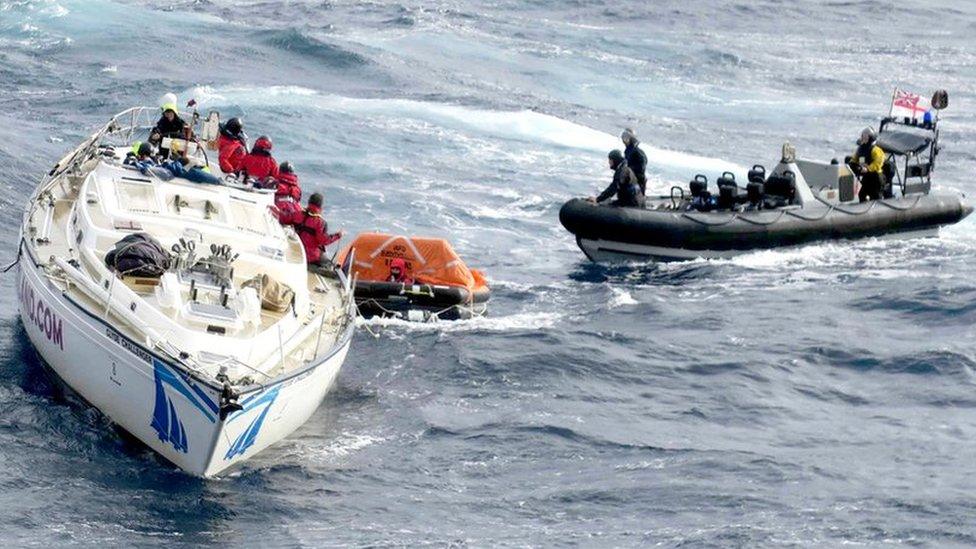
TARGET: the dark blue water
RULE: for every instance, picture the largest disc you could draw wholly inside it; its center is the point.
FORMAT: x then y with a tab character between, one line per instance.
812	396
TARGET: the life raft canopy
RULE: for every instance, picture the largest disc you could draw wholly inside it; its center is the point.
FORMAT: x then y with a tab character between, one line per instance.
429	260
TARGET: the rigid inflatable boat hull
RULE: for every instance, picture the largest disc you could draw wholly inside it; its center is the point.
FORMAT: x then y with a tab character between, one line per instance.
610	234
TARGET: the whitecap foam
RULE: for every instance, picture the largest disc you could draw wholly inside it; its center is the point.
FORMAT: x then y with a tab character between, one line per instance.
621	298
511	323
54	11
343	445
524	125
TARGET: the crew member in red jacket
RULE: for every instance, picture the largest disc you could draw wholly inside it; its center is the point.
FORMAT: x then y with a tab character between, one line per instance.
398	272
288	195
259	164
232	145
314	233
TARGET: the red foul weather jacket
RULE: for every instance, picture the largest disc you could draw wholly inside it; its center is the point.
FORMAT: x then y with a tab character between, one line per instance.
259	166
314	232
232	153
288	197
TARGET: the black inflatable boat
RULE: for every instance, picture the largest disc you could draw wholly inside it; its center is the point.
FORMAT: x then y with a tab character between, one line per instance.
799	202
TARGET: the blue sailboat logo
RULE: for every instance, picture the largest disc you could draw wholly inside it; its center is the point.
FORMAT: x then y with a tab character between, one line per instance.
165	420
247	438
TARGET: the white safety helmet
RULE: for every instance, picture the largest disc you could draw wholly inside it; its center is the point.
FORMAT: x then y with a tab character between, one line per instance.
627	136
867	136
168	102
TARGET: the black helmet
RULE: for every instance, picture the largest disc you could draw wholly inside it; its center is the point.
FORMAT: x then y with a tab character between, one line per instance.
315	200
234	125
616	156
145	149
286	167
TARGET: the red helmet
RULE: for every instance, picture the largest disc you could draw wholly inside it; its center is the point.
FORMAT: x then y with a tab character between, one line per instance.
263	143
398	263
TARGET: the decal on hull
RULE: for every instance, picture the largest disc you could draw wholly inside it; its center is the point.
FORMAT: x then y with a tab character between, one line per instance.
165	419
247	438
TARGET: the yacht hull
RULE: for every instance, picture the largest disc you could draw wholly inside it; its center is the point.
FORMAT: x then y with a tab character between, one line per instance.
158	402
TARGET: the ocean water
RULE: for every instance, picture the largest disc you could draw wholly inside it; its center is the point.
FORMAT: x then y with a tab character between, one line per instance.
815	396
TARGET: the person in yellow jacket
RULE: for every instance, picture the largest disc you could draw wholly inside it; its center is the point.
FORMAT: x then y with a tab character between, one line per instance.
868	162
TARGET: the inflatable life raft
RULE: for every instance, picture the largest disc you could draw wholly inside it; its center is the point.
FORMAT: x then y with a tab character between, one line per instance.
798	202
435	283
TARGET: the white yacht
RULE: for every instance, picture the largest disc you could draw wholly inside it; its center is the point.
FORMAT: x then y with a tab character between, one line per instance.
197	362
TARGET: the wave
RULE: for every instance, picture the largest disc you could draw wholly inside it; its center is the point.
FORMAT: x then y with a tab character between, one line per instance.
500	431
525	125
926	363
330	55
927	304
621	298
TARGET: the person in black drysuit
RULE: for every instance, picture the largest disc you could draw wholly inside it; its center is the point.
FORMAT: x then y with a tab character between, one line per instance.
169	125
636	159
624	185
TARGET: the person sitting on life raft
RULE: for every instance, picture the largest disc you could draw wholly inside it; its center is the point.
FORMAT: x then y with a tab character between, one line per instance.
398	272
314	234
868	162
288	195
259	164
636	159
624	184
232	145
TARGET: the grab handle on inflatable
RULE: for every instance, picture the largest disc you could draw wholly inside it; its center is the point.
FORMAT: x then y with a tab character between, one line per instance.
674	203
701	177
729	175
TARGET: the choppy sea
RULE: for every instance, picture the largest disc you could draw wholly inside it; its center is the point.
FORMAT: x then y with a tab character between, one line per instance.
814	396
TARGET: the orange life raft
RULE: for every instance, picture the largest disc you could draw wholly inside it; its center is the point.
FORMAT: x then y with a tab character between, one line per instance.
438	284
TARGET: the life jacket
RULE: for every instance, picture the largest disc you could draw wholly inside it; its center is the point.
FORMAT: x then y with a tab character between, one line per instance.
232	153
865	154
259	165
288	186
288	196
311	229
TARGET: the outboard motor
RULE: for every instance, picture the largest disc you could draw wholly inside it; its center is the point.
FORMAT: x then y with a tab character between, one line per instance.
728	191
